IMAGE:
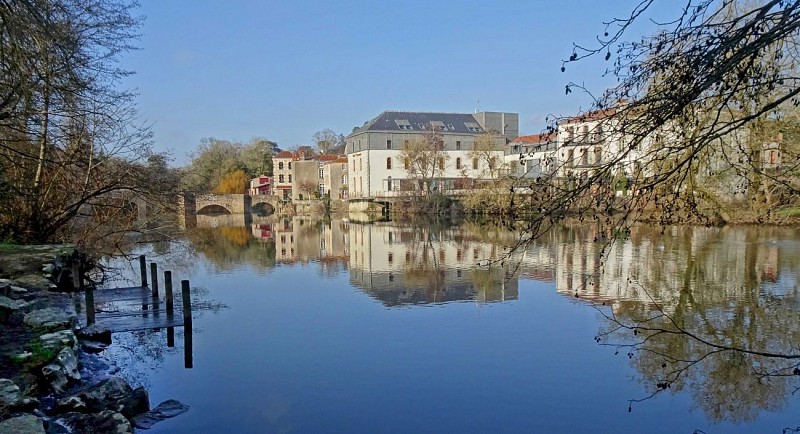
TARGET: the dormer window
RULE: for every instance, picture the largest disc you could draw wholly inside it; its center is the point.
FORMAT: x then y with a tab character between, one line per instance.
438	125
403	124
473	127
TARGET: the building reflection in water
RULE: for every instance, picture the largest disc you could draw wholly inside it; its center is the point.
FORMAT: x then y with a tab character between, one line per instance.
406	264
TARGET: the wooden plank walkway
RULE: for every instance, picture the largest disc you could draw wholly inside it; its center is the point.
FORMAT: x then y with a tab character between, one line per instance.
134	308
140	307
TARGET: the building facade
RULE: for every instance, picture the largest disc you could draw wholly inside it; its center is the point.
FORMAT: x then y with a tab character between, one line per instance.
377	166
261	185
334	178
282	173
532	156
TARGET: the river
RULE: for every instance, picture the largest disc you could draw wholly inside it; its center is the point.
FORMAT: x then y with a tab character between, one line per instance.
311	326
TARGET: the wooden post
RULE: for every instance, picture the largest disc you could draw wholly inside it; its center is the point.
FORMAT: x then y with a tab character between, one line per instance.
168	290
187	303
77	280
188	359
188	362
171	337
154	278
143	268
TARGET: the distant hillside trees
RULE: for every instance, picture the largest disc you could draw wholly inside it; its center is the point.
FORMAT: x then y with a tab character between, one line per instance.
329	141
233	183
216	160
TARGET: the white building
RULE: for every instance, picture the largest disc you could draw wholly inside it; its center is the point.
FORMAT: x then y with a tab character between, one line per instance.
532	156
376	167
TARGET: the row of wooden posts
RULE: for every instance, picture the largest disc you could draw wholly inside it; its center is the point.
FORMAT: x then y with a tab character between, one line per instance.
170	302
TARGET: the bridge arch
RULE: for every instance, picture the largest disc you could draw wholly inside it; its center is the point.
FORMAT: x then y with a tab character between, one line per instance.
213	209
263	208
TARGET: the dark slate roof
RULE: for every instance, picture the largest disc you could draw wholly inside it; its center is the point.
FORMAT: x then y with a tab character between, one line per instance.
386	121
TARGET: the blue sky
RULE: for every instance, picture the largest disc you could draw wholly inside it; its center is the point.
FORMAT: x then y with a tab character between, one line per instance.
286	69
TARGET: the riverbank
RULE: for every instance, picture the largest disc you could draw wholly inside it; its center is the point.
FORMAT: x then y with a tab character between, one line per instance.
53	375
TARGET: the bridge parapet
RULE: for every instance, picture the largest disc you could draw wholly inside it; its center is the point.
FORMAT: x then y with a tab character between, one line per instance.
233	203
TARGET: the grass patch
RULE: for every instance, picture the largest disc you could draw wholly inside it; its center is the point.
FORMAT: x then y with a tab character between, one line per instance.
37	356
789	212
9	247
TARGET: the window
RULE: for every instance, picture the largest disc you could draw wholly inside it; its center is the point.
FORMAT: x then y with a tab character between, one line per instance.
321	173
492	162
458	145
403	124
360	166
474	164
290	165
390	257
280	166
570	158
441	163
344	179
473	127
389	163
458	163
450	127
598	154
280	177
438	125
584	157
290	177
388	144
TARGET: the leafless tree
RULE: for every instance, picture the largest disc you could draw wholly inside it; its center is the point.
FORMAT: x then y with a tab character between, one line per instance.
69	140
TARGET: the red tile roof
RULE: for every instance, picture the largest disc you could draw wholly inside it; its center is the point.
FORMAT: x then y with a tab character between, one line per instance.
535	139
328	157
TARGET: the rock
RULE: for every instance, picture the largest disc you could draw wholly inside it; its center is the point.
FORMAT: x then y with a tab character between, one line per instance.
96	333
73	403
49	319
165	410
25	424
111	394
48	268
63	370
10	305
12	399
105	422
58	340
93	347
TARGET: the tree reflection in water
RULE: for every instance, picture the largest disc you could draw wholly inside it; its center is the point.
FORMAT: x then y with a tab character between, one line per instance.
708	310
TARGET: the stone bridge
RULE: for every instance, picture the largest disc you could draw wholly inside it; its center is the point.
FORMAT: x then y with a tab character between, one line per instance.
190	206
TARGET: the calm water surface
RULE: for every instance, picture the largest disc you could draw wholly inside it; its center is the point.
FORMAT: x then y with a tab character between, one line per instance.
305	326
